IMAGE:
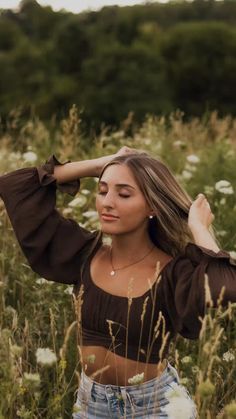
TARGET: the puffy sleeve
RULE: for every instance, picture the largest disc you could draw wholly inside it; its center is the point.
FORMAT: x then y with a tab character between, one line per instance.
186	293
52	244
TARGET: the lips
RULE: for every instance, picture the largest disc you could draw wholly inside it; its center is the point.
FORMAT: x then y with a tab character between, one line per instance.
109	216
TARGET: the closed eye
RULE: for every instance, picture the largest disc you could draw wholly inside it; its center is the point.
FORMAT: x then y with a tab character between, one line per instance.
123	196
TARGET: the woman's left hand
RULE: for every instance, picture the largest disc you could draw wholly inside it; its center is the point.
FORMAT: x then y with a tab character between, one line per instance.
200	214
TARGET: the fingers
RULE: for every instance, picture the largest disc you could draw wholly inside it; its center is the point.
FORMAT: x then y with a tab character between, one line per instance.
201	200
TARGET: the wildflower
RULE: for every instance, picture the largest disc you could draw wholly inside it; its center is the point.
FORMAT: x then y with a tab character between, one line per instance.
222	233
208	190
32	379
136	379
180	405
30	156
230	410
41	281
69	290
79	201
90	214
179	144
232	254
186	359
195	369
192	158
186	174
223	186
45	356
228	356
206	388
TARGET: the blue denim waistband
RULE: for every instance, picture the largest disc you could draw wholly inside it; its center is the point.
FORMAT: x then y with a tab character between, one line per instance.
167	376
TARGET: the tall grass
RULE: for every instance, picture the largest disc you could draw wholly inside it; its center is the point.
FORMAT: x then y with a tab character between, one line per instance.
35	313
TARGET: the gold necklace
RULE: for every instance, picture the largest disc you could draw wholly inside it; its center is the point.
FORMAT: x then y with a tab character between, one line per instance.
112	273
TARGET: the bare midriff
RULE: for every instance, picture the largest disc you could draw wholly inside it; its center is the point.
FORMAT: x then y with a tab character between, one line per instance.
105	367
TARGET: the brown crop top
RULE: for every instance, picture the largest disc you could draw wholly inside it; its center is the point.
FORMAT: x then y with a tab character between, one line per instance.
54	247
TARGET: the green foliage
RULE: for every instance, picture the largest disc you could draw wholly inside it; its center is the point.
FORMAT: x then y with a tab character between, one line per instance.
145	59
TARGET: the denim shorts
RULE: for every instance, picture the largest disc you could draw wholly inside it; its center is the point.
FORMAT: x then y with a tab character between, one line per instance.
161	397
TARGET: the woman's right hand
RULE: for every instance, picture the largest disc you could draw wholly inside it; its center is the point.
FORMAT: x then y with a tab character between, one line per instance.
123	151
126	150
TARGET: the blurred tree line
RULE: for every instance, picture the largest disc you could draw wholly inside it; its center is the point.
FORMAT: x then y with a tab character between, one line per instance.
149	58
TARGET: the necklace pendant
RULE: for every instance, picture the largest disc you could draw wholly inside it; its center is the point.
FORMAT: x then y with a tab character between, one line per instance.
112	273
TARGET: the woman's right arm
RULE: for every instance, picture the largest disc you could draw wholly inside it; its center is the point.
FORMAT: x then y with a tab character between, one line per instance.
52	244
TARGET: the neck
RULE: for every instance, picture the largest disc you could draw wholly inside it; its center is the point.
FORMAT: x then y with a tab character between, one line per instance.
130	247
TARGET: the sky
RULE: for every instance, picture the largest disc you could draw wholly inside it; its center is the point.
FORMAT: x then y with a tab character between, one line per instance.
75	6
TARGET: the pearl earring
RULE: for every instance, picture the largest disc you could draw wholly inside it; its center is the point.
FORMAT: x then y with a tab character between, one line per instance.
151	216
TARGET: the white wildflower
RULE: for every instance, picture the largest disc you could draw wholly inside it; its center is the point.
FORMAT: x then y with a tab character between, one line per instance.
232	254
136	379
192	158
180	405
190	168
45	356
222	233
179	144
85	191
41	281
30	156
223	186
186	359
69	290
222	201
208	190
33	379
186	174
15	155
91	215
77	202
228	356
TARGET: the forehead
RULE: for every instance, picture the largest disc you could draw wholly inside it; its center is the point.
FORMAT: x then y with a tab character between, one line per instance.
118	174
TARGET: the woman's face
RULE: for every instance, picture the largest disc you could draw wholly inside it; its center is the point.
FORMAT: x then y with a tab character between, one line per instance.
119	195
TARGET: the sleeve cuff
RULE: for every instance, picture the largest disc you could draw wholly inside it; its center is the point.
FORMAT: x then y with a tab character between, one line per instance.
46	171
195	253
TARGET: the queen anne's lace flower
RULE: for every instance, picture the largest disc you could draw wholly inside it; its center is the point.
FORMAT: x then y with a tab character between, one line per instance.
223	186
45	356
180	405
228	356
136	379
192	158
30	156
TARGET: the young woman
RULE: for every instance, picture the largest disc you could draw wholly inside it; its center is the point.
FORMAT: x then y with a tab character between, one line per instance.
139	291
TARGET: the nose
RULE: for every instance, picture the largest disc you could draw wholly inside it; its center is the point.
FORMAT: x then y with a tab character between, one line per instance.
108	200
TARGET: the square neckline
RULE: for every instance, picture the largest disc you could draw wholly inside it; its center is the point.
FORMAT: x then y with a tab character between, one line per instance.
101	290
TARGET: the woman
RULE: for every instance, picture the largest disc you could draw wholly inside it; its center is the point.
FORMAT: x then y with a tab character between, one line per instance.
139	291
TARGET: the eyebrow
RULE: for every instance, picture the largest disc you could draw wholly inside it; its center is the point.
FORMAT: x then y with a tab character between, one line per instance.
101	182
